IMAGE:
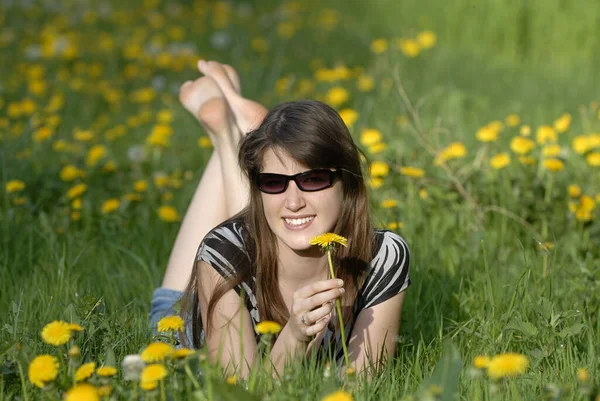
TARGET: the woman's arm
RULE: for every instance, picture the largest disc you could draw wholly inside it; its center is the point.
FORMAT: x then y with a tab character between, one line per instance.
230	339
374	334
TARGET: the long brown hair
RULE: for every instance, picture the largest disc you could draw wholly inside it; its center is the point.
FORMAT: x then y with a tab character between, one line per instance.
313	134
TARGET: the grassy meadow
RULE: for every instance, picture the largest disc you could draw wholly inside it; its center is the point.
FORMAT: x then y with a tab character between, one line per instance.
481	125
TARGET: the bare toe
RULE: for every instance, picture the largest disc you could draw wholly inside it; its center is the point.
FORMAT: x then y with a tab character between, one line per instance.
233	77
216	71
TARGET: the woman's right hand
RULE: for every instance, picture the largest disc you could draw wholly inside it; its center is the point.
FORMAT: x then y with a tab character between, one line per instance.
312	306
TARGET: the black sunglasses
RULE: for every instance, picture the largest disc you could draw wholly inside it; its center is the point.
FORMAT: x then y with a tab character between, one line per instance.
309	181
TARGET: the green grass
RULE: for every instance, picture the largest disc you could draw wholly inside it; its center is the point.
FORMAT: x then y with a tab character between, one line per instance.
480	280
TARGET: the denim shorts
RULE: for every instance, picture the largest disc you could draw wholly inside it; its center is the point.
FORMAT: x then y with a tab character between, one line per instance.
163	303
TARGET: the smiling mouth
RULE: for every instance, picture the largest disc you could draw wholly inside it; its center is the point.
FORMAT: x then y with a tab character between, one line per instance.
298	222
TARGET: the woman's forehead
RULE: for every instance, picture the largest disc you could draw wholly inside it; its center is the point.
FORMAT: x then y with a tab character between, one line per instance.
276	160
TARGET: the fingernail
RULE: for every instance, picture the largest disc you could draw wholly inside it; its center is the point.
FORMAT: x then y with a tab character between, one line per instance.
340	282
201	63
342	290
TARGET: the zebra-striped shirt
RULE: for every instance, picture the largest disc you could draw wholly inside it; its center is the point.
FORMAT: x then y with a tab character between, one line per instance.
388	272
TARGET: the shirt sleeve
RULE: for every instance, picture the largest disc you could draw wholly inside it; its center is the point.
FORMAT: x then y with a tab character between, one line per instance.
223	248
389	274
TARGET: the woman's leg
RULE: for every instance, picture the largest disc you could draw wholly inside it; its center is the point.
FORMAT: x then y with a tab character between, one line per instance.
209	205
214	106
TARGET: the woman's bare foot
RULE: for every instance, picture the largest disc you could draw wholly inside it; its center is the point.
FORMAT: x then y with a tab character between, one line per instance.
248	114
206	102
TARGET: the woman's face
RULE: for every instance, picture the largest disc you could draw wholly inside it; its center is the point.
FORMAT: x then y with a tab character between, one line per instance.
296	216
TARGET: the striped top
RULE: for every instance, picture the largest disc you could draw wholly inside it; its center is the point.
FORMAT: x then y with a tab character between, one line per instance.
387	276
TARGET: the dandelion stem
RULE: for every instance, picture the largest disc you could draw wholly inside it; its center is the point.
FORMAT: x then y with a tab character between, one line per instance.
339	312
23	385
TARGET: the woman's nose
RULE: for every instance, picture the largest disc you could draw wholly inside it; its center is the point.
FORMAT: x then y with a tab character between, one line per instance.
294	200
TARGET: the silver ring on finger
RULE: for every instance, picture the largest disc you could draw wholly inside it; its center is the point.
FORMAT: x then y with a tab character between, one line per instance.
303	319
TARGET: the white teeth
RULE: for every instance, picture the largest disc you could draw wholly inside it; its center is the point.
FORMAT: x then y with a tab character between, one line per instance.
298	222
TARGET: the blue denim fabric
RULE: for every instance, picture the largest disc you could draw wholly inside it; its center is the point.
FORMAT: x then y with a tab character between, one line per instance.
163	302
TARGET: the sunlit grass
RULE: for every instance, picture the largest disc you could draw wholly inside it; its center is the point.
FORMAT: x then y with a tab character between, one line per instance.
482	159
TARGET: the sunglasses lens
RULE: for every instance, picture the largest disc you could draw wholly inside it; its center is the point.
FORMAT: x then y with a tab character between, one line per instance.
271	183
315	180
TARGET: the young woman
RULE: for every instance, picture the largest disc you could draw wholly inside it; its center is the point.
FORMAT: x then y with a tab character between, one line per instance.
297	174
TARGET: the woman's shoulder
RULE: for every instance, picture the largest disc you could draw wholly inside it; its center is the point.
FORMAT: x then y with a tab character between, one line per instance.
230	231
386	241
225	241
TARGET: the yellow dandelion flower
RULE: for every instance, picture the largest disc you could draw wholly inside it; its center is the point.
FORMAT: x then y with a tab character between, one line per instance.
43	369
521	145
409	47
375	182
204	142
232	380
75	327
584	215
554	165
487	134
164	116
593	159
82	392
286	29
370	136
377	147
76	191
583	375
327	240
70	173
379	169
507	365
182	353
349	116
423	194
83	136
545	134
85	371
389	203
42	133
413	172
267	326
156	352
574	191
339	395
140	185
512	120
14	186
106	371
456	150
586	202
56	333
148	385
170	323
394	225
427	39
525	130
168	214
153	372
481	361
110	205
379	46
563	123
500	161
551	150
259	44
337	96
365	83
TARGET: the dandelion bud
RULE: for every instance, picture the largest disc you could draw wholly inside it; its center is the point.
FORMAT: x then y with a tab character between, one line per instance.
132	367
74	352
350	372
